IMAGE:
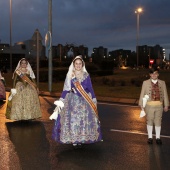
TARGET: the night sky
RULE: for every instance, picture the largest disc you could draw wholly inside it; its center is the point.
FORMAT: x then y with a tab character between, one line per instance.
92	23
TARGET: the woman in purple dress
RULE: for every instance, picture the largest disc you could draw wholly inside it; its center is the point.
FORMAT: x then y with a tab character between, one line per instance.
77	122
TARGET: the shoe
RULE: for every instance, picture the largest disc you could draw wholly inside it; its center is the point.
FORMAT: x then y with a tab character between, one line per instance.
75	146
159	141
150	141
80	146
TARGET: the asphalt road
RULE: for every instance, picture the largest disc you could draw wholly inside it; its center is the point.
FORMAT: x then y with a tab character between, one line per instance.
27	145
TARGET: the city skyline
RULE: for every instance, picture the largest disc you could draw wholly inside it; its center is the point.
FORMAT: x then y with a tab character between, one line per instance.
110	24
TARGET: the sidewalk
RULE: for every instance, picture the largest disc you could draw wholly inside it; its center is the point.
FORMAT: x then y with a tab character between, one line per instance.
99	98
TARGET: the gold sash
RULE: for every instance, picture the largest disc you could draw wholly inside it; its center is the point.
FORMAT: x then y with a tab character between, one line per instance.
25	78
81	90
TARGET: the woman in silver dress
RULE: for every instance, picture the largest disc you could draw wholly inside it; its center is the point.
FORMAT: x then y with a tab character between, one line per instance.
77	122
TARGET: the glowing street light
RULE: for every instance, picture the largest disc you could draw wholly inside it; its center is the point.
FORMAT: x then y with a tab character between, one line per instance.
138	11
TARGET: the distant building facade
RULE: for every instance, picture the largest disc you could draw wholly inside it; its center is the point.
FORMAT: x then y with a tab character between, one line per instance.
26	49
146	53
99	54
120	57
69	51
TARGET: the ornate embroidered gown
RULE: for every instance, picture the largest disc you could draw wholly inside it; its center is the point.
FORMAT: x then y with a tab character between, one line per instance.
77	121
25	104
2	90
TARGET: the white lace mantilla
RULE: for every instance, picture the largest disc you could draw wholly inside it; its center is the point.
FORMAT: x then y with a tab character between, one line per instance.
67	83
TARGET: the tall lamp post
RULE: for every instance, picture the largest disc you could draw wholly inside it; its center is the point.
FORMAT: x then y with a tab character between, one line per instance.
50	50
11	35
138	11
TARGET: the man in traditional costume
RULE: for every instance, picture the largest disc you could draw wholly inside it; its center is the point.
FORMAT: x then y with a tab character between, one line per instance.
157	102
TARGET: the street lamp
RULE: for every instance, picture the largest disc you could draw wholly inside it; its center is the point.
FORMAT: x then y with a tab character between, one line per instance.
138	11
11	35
50	50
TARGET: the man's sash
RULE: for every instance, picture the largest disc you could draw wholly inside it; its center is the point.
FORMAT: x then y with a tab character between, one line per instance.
81	90
25	78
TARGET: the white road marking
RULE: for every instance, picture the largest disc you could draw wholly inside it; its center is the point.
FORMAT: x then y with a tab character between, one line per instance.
117	104
135	132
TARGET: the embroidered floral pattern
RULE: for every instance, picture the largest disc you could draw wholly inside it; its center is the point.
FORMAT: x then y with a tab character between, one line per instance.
77	122
25	104
2	91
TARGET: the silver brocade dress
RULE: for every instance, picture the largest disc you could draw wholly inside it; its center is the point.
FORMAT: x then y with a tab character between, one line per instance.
77	122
